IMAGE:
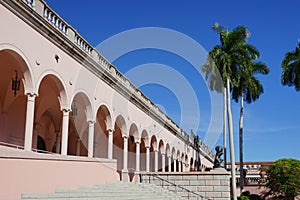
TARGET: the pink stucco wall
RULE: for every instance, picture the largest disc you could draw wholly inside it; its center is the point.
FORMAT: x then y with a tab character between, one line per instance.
38	173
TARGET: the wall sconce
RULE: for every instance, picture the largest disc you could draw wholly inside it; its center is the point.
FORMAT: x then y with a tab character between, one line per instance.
131	139
74	109
15	85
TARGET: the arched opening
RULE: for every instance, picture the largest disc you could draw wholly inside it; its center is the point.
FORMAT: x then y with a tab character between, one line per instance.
79	126
173	155
12	99
48	114
177	161
161	151
41	145
168	155
47	127
144	142
133	138
191	164
102	126
182	163
187	165
153	148
118	143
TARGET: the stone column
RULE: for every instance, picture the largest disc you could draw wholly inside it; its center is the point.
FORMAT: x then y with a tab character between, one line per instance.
169	163
91	139
137	157
110	144
175	165
147	158
156	160
29	121
58	135
125	160
65	131
163	162
179	166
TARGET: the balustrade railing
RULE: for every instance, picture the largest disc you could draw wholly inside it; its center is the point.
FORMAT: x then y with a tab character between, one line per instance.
29	2
83	44
11	145
55	20
22	148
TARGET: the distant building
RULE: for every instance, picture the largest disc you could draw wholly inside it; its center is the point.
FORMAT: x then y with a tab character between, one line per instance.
254	180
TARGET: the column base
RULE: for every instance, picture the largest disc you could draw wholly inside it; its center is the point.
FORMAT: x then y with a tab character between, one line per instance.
136	177
124	175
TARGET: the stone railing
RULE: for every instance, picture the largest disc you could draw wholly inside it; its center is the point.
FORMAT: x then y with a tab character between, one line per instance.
55	20
52	18
29	2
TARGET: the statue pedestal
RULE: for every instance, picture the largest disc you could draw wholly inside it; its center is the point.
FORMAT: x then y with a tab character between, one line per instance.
220	169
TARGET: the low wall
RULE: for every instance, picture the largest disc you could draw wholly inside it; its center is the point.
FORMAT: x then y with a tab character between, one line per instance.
29	172
211	185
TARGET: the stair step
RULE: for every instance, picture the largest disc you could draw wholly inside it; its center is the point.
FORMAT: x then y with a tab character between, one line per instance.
111	190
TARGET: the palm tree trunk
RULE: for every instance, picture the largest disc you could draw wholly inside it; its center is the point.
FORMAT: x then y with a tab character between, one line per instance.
232	159
224	126
241	143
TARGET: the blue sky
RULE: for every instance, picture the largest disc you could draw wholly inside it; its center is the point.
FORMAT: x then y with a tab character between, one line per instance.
271	124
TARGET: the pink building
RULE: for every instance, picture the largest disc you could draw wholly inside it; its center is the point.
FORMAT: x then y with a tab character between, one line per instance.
69	117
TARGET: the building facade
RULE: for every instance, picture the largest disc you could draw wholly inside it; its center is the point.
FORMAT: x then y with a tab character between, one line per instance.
64	106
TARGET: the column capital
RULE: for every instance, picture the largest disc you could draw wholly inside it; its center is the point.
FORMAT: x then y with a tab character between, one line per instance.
109	130
31	97
137	141
91	122
31	94
66	110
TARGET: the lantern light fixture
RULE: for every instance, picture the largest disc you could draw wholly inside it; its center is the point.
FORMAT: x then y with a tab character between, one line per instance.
15	85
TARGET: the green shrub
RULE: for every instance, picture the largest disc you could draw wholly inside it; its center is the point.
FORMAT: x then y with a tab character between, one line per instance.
284	178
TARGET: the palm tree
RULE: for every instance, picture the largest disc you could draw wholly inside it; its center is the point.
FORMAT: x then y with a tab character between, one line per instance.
247	88
225	59
291	68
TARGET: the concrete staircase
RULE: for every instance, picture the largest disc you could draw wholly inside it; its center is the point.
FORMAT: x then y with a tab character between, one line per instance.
116	191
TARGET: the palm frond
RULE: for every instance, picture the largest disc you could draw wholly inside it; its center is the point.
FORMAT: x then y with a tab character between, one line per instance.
291	69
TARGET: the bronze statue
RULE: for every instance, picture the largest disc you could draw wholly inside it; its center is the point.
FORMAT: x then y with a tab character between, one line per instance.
218	161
